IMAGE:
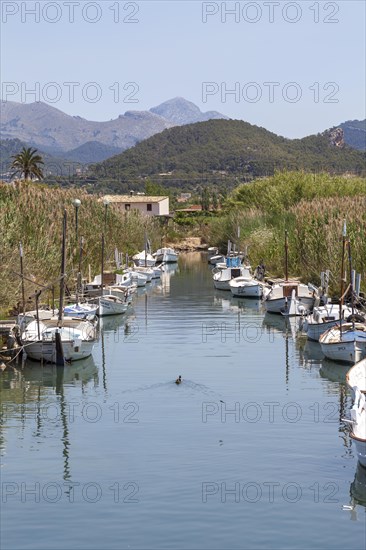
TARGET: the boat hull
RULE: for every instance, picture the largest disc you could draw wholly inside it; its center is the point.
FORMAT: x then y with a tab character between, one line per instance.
360	448
46	351
315	330
278	305
247	291
111	307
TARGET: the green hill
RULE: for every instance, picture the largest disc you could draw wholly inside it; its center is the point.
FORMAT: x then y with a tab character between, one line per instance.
232	150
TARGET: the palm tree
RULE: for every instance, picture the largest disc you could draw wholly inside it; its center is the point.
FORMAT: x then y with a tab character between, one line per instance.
28	164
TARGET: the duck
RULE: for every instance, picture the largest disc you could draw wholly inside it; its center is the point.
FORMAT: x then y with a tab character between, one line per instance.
179	380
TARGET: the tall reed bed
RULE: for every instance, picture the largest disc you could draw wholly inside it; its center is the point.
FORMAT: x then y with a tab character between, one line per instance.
312	209
32	214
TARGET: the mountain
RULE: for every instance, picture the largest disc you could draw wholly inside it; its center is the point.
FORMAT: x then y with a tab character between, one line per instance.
224	149
92	151
355	133
55	132
179	111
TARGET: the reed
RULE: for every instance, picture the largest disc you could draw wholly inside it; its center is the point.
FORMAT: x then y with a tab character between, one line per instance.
32	214
311	209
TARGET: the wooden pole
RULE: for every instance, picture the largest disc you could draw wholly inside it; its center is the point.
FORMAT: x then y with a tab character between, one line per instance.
344	237
63	270
286	255
351	278
102	275
22	276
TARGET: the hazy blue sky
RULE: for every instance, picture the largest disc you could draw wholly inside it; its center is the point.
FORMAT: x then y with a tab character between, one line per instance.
310	51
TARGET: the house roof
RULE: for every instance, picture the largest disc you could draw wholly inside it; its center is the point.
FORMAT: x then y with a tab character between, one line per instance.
133	198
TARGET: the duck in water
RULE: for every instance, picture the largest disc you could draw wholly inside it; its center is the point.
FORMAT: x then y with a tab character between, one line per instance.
179	380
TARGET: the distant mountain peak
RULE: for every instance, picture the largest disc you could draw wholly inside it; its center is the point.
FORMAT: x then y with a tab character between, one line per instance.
179	111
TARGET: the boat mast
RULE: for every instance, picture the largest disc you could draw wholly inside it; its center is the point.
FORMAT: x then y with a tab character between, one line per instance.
344	237
63	269
286	255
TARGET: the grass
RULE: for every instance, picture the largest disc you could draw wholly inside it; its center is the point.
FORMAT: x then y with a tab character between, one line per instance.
32	214
312	209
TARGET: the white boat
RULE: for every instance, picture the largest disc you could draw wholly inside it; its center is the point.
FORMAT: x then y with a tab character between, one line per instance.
80	310
144	259
356	376
124	279
216	259
323	318
121	292
166	255
234	269
280	295
139	279
77	338
345	343
246	287
356	379
147	271
110	304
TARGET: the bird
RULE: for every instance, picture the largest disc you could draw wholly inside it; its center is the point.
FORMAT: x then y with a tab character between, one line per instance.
179	380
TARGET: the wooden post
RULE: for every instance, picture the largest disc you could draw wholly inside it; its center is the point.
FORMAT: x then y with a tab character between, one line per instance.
102	275
63	270
286	255
22	276
344	237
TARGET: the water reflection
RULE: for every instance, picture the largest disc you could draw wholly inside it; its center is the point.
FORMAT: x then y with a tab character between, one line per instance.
358	487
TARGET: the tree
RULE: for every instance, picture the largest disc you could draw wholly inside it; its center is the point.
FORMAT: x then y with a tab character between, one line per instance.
28	164
205	199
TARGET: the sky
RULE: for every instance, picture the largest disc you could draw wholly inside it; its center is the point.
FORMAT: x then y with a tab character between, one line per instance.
295	68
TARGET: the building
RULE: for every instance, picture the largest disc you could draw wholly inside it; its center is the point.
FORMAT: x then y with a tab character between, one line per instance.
148	205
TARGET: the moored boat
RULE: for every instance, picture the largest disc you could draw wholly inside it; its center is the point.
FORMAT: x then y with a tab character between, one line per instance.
345	342
323	318
166	255
356	379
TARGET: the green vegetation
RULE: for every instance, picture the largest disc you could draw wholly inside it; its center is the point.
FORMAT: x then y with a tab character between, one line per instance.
222	152
32	213
27	164
311	208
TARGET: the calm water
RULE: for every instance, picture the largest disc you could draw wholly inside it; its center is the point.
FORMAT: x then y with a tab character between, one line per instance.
249	452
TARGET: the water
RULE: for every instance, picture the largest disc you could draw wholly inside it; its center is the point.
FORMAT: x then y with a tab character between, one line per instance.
249	452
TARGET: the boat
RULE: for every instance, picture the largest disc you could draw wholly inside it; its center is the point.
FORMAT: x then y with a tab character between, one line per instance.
166	255
147	271
77	337
246	287
222	277
60	338
144	259
80	310
356	379
345	342
289	296
281	295
323	318
356	376
139	279
110	304
216	259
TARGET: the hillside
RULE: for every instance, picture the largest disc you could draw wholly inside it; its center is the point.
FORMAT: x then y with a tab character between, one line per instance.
229	149
355	133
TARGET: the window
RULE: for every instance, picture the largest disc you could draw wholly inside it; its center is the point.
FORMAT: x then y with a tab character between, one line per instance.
127	207
149	207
